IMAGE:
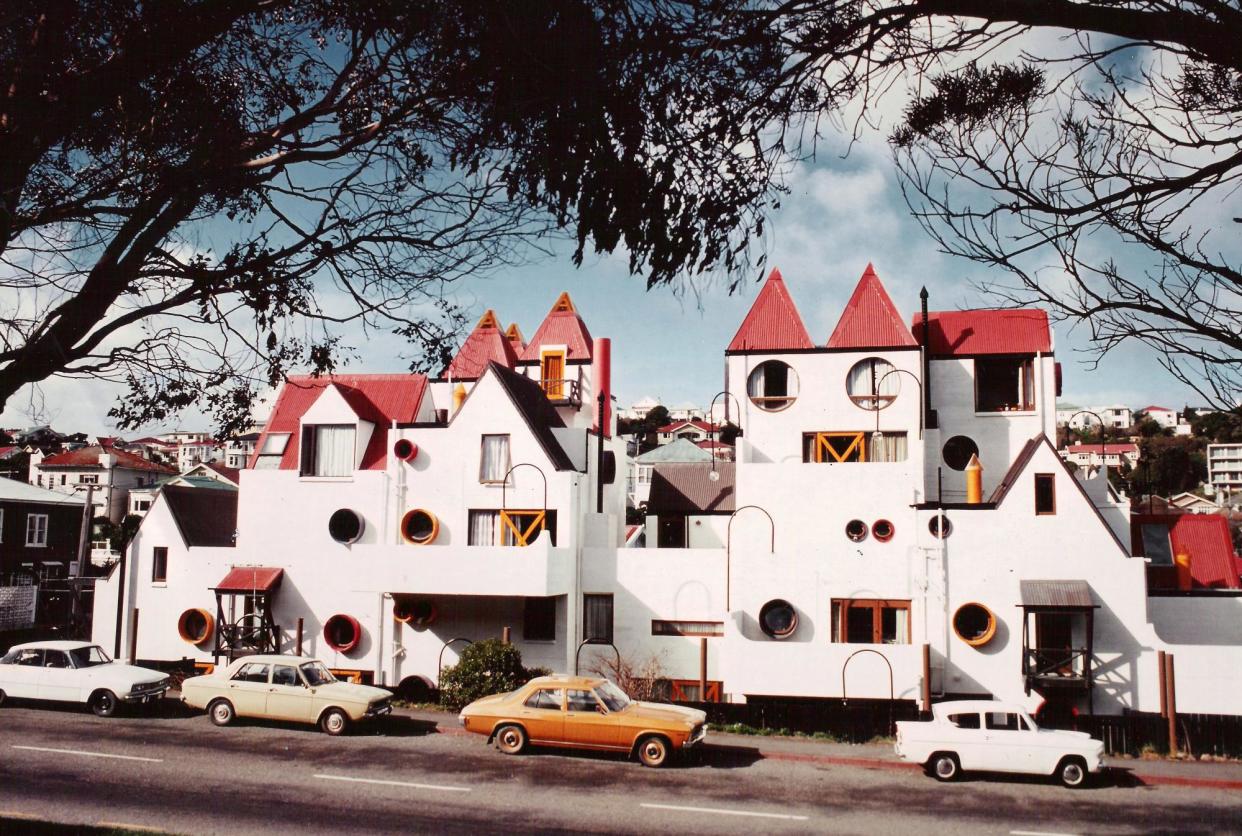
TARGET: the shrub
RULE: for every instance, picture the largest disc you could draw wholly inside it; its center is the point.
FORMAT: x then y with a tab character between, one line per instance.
485	667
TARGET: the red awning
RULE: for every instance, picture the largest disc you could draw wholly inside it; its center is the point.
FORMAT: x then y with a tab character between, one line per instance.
250	579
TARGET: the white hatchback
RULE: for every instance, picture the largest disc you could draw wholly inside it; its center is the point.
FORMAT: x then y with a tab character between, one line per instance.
73	671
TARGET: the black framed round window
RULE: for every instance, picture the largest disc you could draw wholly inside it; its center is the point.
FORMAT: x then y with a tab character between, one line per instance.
958	450
940	526
778	618
345	526
856	530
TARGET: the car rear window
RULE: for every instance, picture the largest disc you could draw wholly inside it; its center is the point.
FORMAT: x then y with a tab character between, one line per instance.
544	698
251	672
965	721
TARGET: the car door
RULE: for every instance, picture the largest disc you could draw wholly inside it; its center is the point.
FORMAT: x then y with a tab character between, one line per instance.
966	738
543	715
248	689
58	680
1007	742
288	697
21	676
587	721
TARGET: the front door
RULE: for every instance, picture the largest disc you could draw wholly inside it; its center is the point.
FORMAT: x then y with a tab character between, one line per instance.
1054	638
248	689
288	698
587	722
543	714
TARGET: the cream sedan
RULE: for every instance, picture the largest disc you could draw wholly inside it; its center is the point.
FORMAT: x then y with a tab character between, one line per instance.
290	688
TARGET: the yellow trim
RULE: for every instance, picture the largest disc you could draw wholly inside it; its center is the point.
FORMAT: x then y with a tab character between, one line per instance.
523	538
488	320
554	388
822	446
563	303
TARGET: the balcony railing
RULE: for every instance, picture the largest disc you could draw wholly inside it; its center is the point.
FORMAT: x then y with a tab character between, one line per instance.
562	391
1052	665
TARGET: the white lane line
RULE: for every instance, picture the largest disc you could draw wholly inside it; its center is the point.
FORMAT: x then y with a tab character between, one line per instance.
409	784
720	812
1037	833
80	753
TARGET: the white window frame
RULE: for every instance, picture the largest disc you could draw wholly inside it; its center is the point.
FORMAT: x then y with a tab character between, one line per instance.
501	472
38	530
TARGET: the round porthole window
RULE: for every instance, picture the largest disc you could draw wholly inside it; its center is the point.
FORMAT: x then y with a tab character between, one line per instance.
778	618
345	526
342	632
416	611
856	530
958	450
882	530
872	383
195	626
974	624
419	527
405	450
772	385
940	526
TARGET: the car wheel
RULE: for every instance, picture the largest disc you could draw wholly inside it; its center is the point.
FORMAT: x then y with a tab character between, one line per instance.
511	739
103	703
221	712
653	751
334	722
1073	773
944	766
1	697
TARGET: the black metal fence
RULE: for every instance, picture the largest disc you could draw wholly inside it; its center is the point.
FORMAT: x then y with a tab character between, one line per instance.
1219	735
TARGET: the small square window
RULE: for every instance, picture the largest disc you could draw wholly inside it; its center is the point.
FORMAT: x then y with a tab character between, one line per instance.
159	564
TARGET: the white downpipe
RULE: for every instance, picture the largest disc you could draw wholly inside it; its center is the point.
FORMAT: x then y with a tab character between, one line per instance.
380	673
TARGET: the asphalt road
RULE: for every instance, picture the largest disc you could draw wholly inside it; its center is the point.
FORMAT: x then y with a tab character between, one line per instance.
180	774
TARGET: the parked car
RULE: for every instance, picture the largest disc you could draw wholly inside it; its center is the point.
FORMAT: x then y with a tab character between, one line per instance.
72	671
584	713
291	688
984	735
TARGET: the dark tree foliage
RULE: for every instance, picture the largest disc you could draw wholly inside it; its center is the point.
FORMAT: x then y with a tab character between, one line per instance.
1223	427
1168	466
198	195
484	668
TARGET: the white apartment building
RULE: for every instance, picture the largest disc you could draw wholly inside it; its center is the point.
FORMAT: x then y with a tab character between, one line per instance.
1111	454
1115	417
854	549
1224	463
107	473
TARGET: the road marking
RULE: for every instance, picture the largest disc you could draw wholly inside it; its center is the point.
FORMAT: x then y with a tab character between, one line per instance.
410	784
121	825
718	811
1037	833
89	754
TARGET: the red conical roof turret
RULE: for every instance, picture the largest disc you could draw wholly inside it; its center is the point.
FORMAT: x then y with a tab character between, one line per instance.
562	326
870	319
485	344
773	323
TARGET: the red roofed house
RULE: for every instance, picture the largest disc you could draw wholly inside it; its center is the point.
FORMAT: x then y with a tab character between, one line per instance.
1186	551
110	472
1113	454
486	344
695	430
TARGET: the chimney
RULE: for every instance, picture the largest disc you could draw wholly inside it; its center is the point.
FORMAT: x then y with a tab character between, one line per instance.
601	374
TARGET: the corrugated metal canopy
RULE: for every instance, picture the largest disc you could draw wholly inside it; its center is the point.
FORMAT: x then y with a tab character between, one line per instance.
1057	595
251	579
687	488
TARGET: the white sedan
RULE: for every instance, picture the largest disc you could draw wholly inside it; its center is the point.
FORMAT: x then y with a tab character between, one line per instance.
994	736
71	671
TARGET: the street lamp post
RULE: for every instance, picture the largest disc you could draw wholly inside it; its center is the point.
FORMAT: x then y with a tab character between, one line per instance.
1103	442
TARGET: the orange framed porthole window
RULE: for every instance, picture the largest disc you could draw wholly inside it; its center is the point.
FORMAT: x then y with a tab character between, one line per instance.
195	626
974	624
417	612
778	618
882	530
345	526
342	632
856	530
419	527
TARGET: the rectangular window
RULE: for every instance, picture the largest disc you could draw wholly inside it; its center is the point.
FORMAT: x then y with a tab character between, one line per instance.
87	479
671	533
328	450
863	621
597	618
539	620
700	629
494	459
860	446
1156	545
159	564
511	527
63	478
1	525
36	530
1004	384
552	374
1045	493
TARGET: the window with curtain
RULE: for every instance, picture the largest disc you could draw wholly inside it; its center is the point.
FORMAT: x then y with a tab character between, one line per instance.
888	447
328	449
870	384
494	460
484	528
864	621
597	617
488	529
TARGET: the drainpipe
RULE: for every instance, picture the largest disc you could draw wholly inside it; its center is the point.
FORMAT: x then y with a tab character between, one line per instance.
932	421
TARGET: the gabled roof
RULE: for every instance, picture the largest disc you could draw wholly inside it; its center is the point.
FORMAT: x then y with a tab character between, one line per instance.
1155	409
538	413
486	344
204	518
870	319
562	326
378	398
12	490
687	488
981	332
1205	537
86	458
678	450
230	473
693	422
773	322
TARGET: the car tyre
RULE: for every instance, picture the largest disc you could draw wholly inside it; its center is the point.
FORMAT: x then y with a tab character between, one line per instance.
334	722
944	767
104	703
1	697
511	739
653	751
221	712
1072	772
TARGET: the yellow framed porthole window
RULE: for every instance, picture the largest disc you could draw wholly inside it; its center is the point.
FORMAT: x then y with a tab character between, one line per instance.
974	624
419	527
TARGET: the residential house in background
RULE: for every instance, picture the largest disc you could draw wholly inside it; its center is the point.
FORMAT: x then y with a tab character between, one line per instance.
239	449
209	475
193	453
694	430
1112	454
1192	503
1115	417
39	529
640	467
110	472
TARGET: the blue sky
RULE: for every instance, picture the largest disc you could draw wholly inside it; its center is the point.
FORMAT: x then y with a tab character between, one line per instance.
840	215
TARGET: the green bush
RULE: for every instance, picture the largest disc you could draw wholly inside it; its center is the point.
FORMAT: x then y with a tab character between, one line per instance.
485	667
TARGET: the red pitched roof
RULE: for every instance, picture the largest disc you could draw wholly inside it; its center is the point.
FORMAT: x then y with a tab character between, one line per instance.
247	578
870	319
378	398
773	322
1205	537
562	326
1155	409
230	473
514	335
1109	449
695	422
966	333
88	457
485	344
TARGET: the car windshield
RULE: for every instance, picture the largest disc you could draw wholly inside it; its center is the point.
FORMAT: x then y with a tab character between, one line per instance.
316	673
88	657
612	696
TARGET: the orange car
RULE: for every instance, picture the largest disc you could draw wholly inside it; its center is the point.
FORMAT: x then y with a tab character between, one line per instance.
584	713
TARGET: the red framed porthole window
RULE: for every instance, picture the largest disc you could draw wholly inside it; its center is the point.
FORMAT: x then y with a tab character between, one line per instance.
856	530
882	530
405	450
342	632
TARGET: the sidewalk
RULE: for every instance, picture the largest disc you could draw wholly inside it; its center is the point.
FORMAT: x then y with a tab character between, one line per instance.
1203	774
